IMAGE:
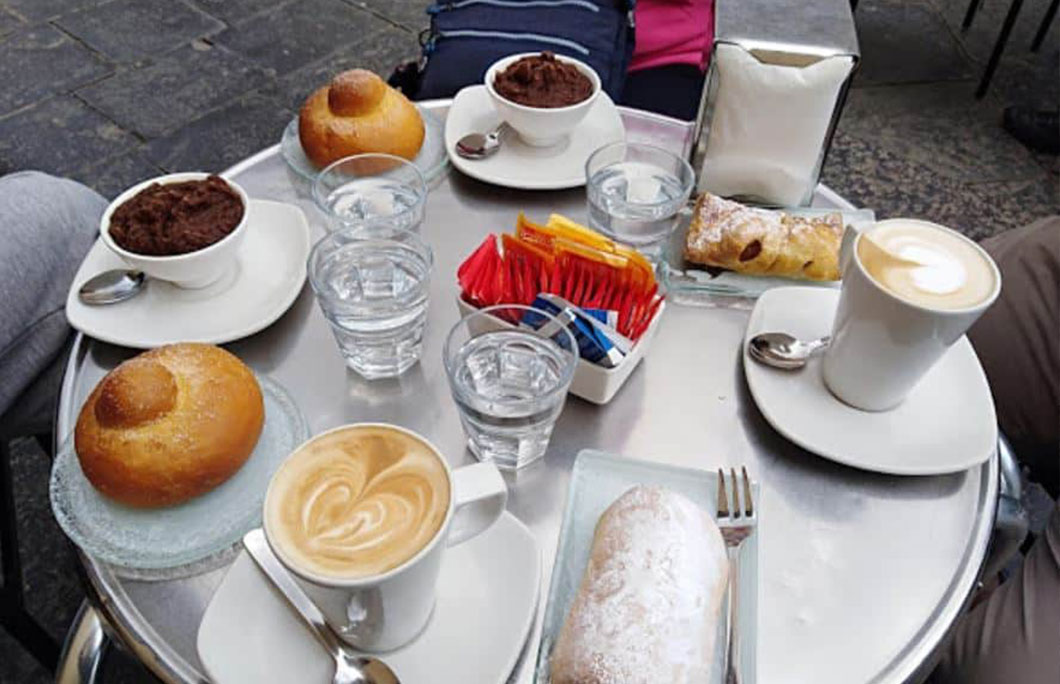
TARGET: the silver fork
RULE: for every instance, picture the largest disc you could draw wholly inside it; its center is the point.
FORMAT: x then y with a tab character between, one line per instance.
735	525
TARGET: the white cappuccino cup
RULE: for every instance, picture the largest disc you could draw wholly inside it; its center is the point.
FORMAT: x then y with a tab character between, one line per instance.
361	516
910	290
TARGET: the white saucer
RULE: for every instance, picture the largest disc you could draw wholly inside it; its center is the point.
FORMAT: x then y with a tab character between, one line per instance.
947	424
269	274
487	601
518	165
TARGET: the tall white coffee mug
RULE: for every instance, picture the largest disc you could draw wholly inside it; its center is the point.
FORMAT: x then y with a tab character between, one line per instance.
882	344
385	611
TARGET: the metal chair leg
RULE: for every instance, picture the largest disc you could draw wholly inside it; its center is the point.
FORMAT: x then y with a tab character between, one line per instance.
13	615
1043	28
999	47
86	644
969	14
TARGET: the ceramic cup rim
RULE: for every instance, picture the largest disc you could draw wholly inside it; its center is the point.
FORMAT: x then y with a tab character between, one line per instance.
366	580
962	311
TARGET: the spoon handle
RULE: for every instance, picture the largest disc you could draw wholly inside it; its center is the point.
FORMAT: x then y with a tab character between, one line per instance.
818	345
259	550
498	131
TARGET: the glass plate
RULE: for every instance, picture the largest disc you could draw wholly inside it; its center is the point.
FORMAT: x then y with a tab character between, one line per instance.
177	541
693	284
597	479
431	160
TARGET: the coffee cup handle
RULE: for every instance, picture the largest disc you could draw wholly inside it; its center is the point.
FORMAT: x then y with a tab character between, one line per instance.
479	498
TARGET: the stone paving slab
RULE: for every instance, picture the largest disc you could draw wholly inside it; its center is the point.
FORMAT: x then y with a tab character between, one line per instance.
235	12
59	136
905	41
116	174
380	52
869	174
961	139
127	30
296	35
40	61
978	40
223	137
39	10
174	89
411	14
9	22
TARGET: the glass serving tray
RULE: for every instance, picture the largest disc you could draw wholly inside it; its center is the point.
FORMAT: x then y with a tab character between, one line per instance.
597	479
688	283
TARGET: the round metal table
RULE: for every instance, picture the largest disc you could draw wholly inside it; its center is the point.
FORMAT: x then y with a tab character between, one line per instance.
861	575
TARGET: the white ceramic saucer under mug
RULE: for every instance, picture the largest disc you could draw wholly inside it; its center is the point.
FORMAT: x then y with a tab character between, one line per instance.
946	424
518	165
486	605
267	277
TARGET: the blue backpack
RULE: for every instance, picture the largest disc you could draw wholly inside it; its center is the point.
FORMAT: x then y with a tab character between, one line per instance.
466	36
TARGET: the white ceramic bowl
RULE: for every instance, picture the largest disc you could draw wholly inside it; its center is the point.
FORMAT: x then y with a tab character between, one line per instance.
192	270
541	126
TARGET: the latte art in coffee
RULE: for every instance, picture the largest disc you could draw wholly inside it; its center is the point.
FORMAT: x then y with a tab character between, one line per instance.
357	502
926	265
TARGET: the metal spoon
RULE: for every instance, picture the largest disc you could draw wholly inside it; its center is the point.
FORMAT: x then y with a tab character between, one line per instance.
781	350
350	668
111	287
480	146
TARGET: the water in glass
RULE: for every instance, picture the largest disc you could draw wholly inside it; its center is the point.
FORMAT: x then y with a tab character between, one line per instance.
375	298
505	383
634	202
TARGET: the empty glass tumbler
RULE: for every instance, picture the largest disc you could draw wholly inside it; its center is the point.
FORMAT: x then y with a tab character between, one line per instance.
635	192
509	380
373	291
377	191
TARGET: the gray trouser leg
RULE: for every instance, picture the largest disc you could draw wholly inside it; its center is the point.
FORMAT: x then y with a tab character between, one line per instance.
47	225
1014	635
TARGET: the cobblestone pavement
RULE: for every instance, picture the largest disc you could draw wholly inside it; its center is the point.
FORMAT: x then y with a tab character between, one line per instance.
113	91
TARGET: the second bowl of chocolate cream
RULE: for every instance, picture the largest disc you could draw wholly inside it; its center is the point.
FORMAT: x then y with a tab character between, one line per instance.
185	228
541	95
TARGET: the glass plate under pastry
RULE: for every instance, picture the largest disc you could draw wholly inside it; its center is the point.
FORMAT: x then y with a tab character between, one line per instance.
431	159
177	541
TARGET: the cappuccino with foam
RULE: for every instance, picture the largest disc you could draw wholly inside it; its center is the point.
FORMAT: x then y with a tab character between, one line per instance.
927	265
357	502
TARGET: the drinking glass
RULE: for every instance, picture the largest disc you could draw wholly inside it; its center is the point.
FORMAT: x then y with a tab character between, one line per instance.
378	191
373	291
635	192
509	380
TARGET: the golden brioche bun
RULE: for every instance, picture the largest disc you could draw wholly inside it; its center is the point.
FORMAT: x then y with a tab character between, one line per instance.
169	425
358	113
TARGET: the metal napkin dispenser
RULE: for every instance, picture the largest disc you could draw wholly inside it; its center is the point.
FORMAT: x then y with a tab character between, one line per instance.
778	77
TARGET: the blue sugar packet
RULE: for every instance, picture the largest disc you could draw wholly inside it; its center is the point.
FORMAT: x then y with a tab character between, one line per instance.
598	342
